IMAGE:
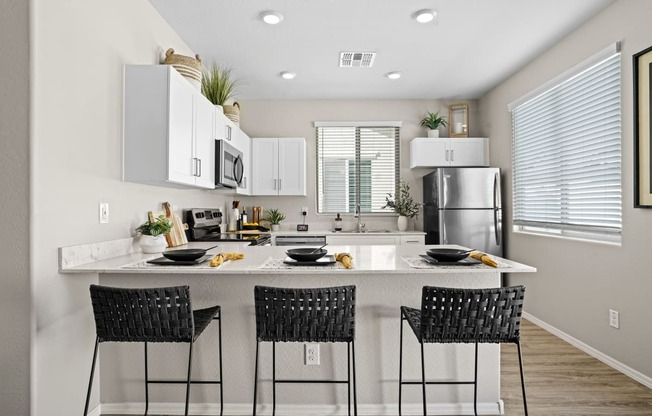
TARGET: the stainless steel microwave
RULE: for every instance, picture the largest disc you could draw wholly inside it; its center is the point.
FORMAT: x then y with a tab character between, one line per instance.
229	166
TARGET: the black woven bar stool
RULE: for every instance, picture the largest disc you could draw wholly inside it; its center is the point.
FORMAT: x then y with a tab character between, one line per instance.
306	315
464	316
152	315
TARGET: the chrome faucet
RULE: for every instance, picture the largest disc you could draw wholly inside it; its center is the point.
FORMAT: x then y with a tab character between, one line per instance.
358	214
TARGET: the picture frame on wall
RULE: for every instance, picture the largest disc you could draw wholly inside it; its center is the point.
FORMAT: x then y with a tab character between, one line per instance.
642	64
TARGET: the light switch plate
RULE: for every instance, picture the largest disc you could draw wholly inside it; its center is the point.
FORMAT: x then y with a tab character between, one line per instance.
104	212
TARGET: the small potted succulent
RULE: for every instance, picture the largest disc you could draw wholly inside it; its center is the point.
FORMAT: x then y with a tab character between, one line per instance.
432	122
403	205
274	217
152	234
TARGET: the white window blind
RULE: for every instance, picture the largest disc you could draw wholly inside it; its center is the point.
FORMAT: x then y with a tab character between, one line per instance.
567	156
356	164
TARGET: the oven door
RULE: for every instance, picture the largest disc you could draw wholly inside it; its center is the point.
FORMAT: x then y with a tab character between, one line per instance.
229	167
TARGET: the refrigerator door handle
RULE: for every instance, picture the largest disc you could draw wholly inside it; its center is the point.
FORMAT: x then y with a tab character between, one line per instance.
497	208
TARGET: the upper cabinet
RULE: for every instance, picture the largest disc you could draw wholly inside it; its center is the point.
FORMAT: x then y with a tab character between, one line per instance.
279	166
169	129
429	152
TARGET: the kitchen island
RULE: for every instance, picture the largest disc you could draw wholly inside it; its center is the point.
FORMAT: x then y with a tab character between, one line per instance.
386	277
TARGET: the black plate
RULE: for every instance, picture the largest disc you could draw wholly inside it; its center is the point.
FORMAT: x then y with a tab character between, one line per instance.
185	254
464	262
448	254
305	254
162	261
329	259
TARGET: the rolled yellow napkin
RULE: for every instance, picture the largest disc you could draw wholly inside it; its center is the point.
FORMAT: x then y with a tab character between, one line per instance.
219	259
345	259
484	257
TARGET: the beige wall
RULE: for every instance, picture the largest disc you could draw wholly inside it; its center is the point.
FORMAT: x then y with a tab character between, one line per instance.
295	118
79	48
578	282
15	301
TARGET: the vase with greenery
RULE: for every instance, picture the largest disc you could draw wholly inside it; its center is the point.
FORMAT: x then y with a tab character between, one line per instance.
274	217
153	234
432	121
218	84
403	205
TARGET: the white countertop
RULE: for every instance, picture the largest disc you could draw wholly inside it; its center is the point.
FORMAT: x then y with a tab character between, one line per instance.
367	259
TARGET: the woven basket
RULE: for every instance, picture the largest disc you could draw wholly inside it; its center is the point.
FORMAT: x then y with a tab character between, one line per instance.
190	68
232	112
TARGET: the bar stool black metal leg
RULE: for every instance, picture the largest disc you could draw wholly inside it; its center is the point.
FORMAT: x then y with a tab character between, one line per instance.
188	381
520	366
146	382
273	378
256	378
90	381
423	379
348	374
400	367
355	389
475	382
219	331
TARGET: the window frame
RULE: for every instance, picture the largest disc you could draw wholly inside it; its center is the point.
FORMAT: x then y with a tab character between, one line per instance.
358	125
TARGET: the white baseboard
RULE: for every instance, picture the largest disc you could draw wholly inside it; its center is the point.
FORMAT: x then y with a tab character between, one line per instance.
615	364
233	409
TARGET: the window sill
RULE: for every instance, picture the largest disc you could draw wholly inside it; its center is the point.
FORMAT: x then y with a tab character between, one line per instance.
601	239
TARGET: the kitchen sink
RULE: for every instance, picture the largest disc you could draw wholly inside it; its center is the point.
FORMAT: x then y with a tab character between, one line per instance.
365	231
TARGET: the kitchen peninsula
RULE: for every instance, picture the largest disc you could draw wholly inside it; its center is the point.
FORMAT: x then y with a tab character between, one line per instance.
386	277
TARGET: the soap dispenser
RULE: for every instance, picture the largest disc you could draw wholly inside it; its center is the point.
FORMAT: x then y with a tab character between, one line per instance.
337	224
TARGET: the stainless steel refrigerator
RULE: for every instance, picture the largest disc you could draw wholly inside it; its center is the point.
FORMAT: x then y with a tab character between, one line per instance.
463	206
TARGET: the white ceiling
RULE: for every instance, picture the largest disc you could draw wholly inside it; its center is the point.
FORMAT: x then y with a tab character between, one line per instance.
472	46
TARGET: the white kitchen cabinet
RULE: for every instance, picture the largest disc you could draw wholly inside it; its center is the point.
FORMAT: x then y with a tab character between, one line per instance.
168	129
430	152
278	166
413	239
366	239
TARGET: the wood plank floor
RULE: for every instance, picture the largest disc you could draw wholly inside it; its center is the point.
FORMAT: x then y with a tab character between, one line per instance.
562	380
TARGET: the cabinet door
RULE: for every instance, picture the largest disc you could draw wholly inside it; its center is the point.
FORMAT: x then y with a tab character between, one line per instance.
468	152
413	239
291	166
426	152
204	143
180	131
265	166
367	239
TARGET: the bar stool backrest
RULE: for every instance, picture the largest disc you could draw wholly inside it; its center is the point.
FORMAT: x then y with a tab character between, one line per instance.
305	315
471	315
143	315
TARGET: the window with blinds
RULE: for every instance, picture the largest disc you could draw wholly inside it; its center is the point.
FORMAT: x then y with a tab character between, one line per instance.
356	164
567	154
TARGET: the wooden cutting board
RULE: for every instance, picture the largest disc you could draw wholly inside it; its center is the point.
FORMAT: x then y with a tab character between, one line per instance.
178	233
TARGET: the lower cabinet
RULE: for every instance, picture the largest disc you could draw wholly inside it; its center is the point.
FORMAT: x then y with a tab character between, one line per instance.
374	239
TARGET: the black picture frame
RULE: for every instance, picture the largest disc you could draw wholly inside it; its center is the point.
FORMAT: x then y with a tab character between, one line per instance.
642	65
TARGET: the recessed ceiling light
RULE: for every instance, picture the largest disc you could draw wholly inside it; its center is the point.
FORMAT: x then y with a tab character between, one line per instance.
425	15
393	75
271	17
288	75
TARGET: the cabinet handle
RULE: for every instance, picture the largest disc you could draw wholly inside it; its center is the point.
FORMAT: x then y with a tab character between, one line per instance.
452	155
446	155
228	133
274	184
280	185
199	169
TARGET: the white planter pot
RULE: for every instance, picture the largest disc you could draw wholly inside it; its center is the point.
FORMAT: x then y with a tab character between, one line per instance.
433	134
276	227
402	223
150	244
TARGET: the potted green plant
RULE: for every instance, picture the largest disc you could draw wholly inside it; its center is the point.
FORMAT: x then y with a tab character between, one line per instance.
403	205
274	217
153	234
432	121
219	86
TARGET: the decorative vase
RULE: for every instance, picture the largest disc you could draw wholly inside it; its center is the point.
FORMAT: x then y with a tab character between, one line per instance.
433	133
276	227
150	244
402	223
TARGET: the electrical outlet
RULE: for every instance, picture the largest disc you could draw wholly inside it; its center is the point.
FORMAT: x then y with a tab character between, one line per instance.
311	355
614	318
304	211
104	212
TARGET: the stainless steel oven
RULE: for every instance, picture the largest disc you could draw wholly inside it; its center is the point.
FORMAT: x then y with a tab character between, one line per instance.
229	166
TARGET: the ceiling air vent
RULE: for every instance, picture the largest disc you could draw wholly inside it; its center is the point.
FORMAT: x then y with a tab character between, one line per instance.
357	59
